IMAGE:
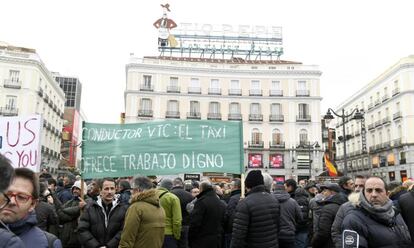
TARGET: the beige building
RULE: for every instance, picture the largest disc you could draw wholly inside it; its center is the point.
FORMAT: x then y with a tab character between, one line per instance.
389	116
277	101
27	87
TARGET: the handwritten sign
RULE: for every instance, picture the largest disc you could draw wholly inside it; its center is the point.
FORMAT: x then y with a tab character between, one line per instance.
20	140
161	148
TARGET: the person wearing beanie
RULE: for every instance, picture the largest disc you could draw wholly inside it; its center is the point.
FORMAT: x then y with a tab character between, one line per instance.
256	221
173	217
347	185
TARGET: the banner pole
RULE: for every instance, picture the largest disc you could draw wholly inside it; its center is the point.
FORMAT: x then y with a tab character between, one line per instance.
243	186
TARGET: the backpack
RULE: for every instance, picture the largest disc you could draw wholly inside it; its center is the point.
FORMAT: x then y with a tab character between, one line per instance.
50	239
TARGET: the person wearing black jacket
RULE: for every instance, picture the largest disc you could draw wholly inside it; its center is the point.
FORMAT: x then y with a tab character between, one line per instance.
303	226
256	222
185	197
406	203
206	219
231	209
333	200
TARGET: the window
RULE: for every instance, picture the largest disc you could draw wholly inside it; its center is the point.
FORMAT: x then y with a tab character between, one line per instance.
147	81
303	137
195	82
302	85
146	104
234	108
255	160
276	109
173	87
214	87
14	75
388	135
194	107
255	108
234	84
255	88
276	137
275	85
256	136
194	86
172	106
276	161
11	102
303	111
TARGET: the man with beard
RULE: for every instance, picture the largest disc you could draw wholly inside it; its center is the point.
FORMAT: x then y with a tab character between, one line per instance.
375	220
102	221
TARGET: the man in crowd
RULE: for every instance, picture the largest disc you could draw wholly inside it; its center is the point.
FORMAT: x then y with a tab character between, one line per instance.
231	209
145	218
65	194
68	217
406	203
7	238
333	199
206	219
102	221
256	221
291	186
93	190
344	210
347	185
124	191
185	198
172	208
19	213
375	220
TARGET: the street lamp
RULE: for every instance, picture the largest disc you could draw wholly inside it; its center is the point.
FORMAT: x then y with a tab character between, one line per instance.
316	146
357	116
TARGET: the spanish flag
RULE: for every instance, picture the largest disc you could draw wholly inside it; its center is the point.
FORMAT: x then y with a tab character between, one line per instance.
330	166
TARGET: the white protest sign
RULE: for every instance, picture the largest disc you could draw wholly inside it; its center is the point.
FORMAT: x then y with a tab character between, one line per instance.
20	140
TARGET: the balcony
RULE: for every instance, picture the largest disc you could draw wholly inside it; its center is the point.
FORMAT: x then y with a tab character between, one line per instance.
397	142
173	89
395	91
46	98
234	116
146	87
214	91
303	118
194	90
235	92
386	120
397	115
386	145
193	115
371	126
8	111
255	117
145	113
372	149
302	93
385	98
357	132
276	118
378	123
276	144
275	92
214	116
40	92
256	144
172	114
370	106
377	102
12	83
255	92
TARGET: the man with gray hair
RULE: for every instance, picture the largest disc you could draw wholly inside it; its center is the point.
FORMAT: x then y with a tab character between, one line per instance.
145	218
173	218
206	219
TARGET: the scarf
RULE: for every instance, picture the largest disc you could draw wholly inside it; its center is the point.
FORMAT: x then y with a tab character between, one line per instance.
384	214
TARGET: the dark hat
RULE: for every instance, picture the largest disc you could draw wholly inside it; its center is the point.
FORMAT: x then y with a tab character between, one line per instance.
310	185
331	186
343	180
254	178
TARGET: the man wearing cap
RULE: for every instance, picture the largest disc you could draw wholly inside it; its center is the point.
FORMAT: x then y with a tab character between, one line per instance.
256	222
68	217
375	220
333	200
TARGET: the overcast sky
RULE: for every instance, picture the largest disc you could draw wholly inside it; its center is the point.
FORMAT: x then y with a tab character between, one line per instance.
352	41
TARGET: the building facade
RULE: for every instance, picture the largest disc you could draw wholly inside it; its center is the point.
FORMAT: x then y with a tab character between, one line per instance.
27	87
382	143
277	101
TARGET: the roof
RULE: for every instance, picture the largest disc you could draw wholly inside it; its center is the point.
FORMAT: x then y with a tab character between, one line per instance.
233	60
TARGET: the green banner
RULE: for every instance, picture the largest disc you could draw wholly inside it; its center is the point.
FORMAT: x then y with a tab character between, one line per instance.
161	148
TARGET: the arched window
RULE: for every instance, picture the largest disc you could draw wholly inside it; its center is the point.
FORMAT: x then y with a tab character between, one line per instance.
276	137
303	137
256	137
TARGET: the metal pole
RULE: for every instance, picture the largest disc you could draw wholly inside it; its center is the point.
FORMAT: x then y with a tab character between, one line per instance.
310	162
344	134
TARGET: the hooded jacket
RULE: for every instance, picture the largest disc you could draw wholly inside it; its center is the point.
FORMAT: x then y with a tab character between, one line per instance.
144	222
9	239
30	234
256	222
97	228
290	215
172	209
379	229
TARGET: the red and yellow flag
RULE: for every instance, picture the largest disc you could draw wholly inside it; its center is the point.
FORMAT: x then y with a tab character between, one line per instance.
330	167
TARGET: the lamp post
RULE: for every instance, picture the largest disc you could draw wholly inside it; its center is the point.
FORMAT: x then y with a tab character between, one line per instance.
358	116
316	146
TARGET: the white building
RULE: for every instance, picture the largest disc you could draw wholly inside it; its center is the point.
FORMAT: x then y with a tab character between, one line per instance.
277	101
389	116
27	87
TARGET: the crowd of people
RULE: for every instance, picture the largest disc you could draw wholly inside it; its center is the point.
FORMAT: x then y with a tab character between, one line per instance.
41	211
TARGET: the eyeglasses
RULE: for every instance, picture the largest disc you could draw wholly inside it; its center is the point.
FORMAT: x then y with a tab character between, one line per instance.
4	200
19	197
